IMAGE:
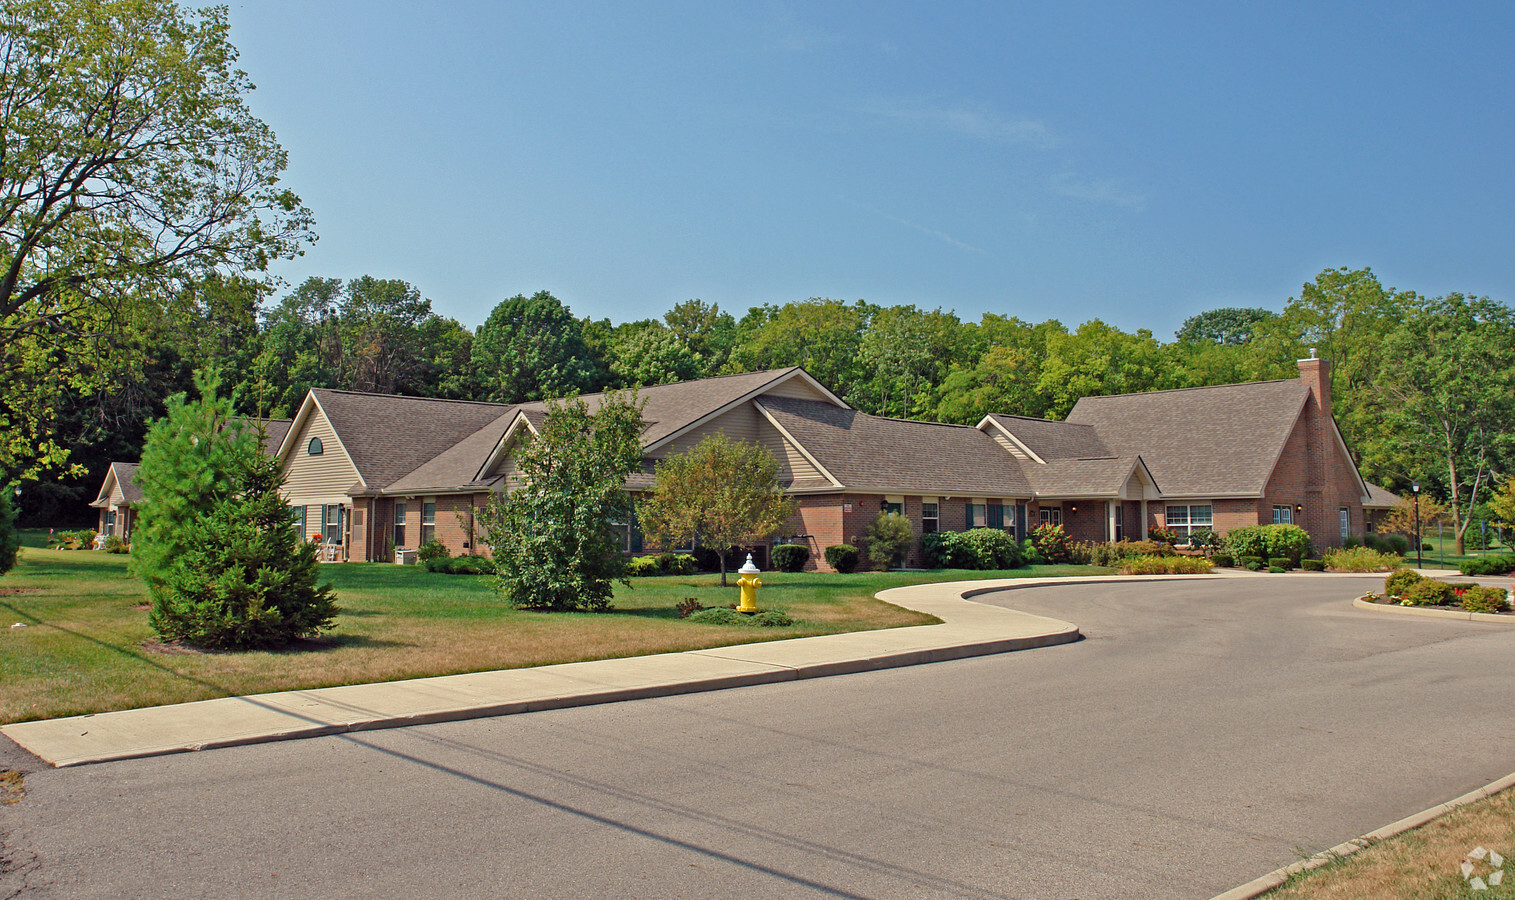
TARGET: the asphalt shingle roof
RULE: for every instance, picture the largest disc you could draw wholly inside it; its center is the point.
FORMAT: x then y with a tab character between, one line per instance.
1100	477
1380	498
872	453
1207	441
388	437
1051	440
671	407
126	477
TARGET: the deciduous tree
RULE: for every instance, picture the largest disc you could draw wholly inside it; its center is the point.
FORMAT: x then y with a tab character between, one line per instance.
132	168
552	535
1445	390
531	348
718	493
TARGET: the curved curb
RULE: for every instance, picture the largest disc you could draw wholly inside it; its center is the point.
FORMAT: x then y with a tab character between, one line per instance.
1490	618
967	629
1259	886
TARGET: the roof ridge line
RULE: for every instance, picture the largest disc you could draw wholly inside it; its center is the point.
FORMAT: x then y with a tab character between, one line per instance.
407	397
1198	387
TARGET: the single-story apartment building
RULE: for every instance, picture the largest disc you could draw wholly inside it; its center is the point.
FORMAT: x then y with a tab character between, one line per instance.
119	495
368	473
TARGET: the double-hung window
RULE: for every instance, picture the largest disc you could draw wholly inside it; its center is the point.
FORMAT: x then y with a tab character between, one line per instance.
1050	515
978	515
1283	515
331	518
931	517
1185	520
1345	514
400	523
428	522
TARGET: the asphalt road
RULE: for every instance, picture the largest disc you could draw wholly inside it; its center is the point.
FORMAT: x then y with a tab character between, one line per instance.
1202	734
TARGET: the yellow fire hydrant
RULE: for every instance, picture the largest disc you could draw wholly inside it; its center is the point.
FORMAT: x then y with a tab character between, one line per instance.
749	583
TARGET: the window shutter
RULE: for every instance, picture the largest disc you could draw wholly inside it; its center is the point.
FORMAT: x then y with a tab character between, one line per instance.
996	516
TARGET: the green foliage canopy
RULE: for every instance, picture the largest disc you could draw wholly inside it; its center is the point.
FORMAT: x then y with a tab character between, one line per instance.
718	493
552	534
531	348
132	169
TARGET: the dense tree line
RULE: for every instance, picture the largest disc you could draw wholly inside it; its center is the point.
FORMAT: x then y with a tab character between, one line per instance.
1422	385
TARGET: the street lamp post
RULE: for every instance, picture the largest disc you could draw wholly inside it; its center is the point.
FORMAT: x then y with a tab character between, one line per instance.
1416	487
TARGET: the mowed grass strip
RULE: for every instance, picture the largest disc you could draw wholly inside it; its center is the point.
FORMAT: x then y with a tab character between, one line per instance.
87	646
1421	864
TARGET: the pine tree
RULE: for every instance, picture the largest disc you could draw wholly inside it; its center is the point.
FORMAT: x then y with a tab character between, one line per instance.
215	542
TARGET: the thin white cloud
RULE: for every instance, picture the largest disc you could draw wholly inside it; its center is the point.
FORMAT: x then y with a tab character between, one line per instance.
1105	191
939	235
970	120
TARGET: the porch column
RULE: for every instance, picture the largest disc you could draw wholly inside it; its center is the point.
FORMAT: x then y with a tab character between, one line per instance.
1142	531
1112	509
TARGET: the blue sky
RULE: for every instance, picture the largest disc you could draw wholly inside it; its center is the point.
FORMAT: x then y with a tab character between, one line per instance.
1069	161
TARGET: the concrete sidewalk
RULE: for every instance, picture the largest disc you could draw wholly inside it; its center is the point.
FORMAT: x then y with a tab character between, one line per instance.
968	629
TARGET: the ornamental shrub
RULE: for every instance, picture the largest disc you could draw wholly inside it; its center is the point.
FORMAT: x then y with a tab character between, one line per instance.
1031	554
114	544
990	548
1286	541
1165	565
1360	559
643	567
1206	539
790	557
887	539
1277	570
936	549
1250	562
1400	581
1052	542
1503	564
1281	562
468	564
1429	592
842	557
675	564
1164	535
768	618
1313	565
1247	542
432	549
1397	544
1223	560
1485	599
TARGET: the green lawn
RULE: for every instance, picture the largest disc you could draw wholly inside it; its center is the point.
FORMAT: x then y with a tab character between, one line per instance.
1442	554
87	646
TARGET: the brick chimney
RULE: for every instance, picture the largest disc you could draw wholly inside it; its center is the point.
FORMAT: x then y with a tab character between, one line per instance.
1316	375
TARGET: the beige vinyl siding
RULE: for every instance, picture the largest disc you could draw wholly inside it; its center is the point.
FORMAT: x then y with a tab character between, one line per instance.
799	389
117	498
745	423
510	470
318	479
1135	490
1010	446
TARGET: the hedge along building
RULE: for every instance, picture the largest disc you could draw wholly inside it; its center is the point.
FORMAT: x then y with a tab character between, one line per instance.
369	472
